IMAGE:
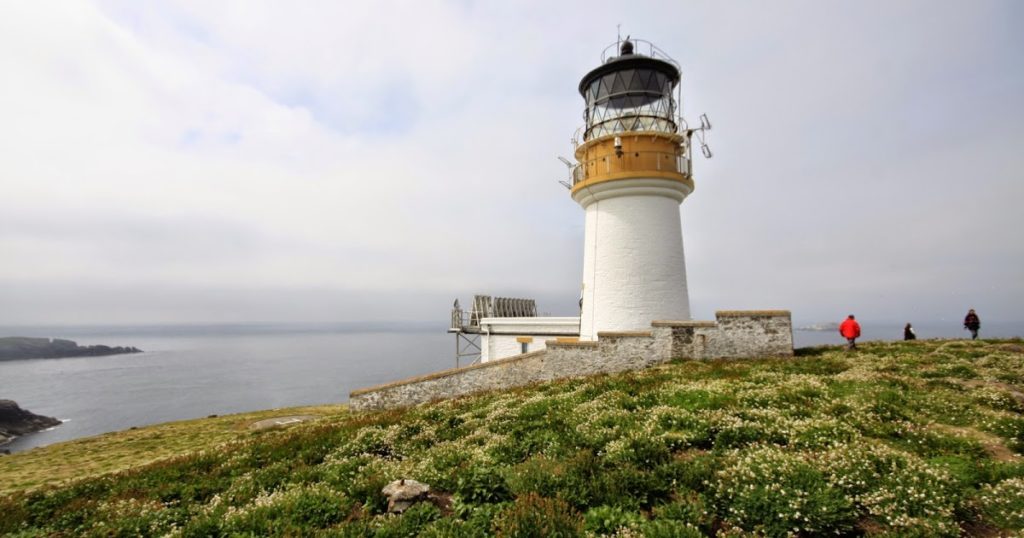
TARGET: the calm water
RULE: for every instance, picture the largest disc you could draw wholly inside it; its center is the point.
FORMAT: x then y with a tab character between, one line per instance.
190	372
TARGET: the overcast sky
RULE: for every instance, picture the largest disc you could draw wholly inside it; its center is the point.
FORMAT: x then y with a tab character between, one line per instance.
336	161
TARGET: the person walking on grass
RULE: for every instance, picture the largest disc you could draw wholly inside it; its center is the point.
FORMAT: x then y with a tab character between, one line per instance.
972	323
850	330
908	333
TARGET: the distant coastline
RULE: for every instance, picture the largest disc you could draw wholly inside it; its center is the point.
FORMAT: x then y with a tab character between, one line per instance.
819	327
24	347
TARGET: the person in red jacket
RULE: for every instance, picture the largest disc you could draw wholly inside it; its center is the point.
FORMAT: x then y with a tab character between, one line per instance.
850	330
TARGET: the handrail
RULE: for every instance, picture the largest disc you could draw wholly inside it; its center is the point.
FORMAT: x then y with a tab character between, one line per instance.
681	127
603	125
652	51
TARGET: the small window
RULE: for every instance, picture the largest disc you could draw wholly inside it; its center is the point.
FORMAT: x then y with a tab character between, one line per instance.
524	346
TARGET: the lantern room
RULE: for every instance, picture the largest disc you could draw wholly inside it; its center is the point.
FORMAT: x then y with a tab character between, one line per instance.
630	92
631	128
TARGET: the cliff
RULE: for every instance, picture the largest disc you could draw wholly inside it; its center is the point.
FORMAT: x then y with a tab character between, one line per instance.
15	421
22	347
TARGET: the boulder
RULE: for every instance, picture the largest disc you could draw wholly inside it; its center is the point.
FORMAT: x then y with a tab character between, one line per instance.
404	493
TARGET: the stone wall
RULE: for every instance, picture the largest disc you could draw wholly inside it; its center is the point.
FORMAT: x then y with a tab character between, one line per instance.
496	374
734	334
745	333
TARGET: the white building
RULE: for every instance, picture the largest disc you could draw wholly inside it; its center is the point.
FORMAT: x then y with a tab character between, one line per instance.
633	170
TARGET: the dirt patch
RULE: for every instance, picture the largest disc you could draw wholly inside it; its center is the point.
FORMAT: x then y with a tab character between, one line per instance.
1013	391
1000	452
991	443
869	526
1011	348
443	502
280	422
983	530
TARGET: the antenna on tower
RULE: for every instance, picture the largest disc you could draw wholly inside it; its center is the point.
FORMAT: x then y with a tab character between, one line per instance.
705	123
571	166
701	132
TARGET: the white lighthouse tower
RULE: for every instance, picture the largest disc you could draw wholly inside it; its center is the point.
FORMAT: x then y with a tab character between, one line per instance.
633	172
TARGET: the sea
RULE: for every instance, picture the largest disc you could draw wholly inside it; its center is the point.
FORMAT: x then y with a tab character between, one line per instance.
193	371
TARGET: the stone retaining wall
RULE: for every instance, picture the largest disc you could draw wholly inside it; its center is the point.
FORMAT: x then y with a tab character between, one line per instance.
734	334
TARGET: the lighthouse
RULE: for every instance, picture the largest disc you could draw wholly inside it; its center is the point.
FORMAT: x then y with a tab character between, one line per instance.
633	171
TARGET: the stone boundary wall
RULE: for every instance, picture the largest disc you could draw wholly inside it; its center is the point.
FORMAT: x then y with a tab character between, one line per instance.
734	334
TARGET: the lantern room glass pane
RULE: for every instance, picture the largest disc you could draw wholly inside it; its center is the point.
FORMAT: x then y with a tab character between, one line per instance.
630	99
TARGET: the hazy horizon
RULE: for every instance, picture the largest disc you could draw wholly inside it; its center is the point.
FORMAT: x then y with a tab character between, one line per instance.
194	162
411	325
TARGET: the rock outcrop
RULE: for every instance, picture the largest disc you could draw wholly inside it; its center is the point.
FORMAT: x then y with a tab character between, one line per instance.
402	494
15	421
23	347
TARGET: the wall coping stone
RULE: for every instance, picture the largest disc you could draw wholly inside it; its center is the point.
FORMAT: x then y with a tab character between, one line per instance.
448	372
751	313
556	343
624	334
686	323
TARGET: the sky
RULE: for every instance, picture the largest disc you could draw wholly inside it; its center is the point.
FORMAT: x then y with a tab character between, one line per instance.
243	161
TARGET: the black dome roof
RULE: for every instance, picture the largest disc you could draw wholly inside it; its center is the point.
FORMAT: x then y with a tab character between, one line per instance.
629	61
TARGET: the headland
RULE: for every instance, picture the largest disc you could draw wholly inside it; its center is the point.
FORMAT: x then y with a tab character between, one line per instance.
24	347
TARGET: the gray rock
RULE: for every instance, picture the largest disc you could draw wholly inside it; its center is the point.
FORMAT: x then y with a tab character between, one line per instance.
404	493
15	421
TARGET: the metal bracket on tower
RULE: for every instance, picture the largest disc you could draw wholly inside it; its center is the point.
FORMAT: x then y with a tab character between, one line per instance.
572	172
701	132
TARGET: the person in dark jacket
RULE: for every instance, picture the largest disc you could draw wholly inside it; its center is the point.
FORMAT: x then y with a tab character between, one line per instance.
850	330
908	333
972	323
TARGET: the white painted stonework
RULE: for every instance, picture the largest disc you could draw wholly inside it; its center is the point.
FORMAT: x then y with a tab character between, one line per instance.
498	335
633	265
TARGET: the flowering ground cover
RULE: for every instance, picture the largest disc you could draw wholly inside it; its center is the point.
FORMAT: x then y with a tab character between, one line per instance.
898	439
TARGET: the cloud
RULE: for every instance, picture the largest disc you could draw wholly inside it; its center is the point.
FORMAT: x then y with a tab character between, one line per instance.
275	151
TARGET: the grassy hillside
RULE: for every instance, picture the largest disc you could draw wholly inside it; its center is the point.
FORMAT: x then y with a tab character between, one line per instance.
132	448
898	439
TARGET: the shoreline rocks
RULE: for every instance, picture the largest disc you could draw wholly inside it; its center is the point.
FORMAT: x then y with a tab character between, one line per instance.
15	421
23	347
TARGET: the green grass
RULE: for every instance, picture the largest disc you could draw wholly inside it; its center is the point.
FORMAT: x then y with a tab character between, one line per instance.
897	439
136	447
